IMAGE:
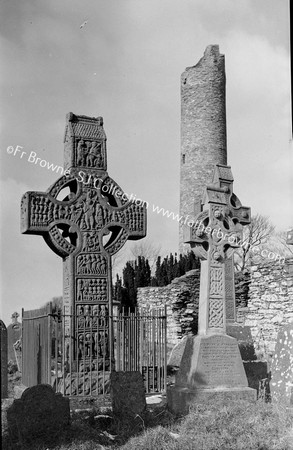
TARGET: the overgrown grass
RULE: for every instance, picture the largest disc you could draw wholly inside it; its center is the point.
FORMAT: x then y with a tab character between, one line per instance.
213	426
218	426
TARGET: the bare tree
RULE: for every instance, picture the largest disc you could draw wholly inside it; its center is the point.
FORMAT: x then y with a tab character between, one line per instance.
279	245
255	236
146	248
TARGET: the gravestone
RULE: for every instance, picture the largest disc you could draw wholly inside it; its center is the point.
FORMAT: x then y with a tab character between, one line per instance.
85	218
13	334
4	360
210	363
127	393
282	367
40	413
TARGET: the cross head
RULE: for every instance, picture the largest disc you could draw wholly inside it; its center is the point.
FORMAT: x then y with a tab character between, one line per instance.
85	218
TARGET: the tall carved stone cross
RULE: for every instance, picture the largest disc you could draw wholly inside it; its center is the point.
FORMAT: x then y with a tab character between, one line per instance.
213	238
210	363
85	218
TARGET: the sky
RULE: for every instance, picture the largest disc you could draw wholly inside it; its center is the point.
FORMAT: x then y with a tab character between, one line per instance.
122	59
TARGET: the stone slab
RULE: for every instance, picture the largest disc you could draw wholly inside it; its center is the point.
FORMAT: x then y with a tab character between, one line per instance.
211	361
282	367
127	393
177	353
180	399
38	414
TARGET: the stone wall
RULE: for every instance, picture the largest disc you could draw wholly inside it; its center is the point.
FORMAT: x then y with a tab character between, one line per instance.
181	298
270	303
264	301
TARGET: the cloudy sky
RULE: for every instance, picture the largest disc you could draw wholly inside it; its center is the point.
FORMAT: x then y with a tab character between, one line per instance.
124	64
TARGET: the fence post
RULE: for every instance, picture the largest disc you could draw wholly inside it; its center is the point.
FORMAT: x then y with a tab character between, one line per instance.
49	337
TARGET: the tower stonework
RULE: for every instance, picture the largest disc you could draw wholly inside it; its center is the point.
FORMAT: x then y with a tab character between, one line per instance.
203	130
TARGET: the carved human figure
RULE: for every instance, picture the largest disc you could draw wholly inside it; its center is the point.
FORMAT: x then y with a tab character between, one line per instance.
88	344
80	346
89	213
87	314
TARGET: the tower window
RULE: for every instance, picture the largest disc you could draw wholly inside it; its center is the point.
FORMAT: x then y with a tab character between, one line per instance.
183	158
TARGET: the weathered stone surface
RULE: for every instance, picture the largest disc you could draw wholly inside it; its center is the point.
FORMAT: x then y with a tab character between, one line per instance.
92	383
4	360
211	362
85	218
258	302
127	393
177	353
270	303
14	334
282	367
38	414
5	405
203	128
211	367
181	297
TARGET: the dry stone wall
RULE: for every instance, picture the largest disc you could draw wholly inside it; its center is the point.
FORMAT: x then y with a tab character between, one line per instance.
264	300
270	304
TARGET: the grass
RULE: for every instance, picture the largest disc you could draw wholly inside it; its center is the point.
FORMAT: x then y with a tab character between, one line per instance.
217	425
214	426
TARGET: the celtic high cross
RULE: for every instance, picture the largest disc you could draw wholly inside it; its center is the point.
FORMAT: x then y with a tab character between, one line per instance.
85	218
213	238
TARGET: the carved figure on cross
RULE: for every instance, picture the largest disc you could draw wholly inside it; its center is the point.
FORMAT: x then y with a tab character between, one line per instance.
85	224
213	237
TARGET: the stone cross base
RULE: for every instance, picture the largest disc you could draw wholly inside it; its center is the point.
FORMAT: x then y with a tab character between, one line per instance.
209	366
179	399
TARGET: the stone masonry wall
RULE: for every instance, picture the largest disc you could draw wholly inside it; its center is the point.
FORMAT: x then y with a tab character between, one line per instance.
270	304
203	128
264	300
181	299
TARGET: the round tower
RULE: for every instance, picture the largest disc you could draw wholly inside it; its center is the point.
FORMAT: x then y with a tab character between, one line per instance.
203	130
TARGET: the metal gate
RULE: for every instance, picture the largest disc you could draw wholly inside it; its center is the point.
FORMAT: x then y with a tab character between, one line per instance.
36	345
139	344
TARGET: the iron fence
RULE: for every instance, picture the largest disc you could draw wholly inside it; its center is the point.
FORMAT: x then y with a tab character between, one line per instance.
81	364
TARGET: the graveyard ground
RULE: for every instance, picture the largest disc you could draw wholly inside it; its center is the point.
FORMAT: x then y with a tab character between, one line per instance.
214	426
